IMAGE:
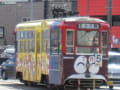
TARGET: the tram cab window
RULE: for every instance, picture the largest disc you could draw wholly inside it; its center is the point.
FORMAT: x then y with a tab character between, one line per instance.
56	41
69	41
87	42
104	43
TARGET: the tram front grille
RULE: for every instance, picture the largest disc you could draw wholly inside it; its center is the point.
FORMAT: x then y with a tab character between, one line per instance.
84	83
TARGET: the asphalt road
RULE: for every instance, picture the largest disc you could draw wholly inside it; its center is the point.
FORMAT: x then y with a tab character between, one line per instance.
16	85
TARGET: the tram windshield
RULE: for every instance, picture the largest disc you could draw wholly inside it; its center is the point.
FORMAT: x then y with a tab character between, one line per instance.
87	39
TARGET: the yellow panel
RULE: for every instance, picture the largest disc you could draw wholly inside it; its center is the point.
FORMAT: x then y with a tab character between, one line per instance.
33	65
38	62
45	61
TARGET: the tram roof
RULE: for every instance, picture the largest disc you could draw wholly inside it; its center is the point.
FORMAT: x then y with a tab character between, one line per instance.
83	18
68	19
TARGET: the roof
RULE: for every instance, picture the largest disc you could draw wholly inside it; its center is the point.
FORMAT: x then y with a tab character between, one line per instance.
84	18
68	19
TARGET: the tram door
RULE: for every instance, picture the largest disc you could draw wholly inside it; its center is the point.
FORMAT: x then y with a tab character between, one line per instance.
45	51
55	52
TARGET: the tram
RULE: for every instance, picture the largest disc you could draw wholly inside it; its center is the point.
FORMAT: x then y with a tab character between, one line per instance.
64	52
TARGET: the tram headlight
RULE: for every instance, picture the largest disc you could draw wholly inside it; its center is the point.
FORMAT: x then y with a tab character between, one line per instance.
97	50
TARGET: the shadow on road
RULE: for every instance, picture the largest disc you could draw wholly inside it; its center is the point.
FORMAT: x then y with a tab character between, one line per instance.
20	87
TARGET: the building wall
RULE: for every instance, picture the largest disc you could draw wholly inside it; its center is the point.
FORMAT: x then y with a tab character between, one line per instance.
64	5
115	7
98	8
92	7
13	14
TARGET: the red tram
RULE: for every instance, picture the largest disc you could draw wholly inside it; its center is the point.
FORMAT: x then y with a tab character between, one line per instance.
76	51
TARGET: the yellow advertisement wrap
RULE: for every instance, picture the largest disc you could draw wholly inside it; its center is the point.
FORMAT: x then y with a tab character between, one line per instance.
32	56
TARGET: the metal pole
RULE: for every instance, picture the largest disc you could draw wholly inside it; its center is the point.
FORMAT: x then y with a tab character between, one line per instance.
45	9
31	9
109	13
109	17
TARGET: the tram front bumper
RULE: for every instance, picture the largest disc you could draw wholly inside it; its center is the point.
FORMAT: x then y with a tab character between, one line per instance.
83	76
86	81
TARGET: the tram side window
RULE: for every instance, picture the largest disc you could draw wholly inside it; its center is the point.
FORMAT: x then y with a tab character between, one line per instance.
18	35
45	41
18	41
69	41
38	42
44	38
54	41
22	42
18	46
60	41
26	41
104	43
32	41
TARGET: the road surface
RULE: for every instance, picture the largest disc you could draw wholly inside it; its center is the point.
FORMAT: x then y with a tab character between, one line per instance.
16	85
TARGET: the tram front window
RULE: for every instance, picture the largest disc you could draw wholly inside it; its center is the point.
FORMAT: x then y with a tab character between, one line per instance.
87	41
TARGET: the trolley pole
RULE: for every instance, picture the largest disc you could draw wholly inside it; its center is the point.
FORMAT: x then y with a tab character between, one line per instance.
31	9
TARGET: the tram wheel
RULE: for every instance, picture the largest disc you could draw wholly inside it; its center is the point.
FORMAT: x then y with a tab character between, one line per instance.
25	83
60	88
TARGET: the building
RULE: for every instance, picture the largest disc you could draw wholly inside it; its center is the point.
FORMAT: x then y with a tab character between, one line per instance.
14	13
98	8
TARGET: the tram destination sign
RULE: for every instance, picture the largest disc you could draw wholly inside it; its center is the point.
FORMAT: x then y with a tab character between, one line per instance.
88	26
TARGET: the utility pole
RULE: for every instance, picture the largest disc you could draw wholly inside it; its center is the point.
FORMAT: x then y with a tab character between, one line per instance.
109	17
45	9
31	9
109	13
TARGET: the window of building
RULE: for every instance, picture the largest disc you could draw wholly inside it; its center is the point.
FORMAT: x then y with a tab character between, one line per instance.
1	32
116	20
26	19
101	17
